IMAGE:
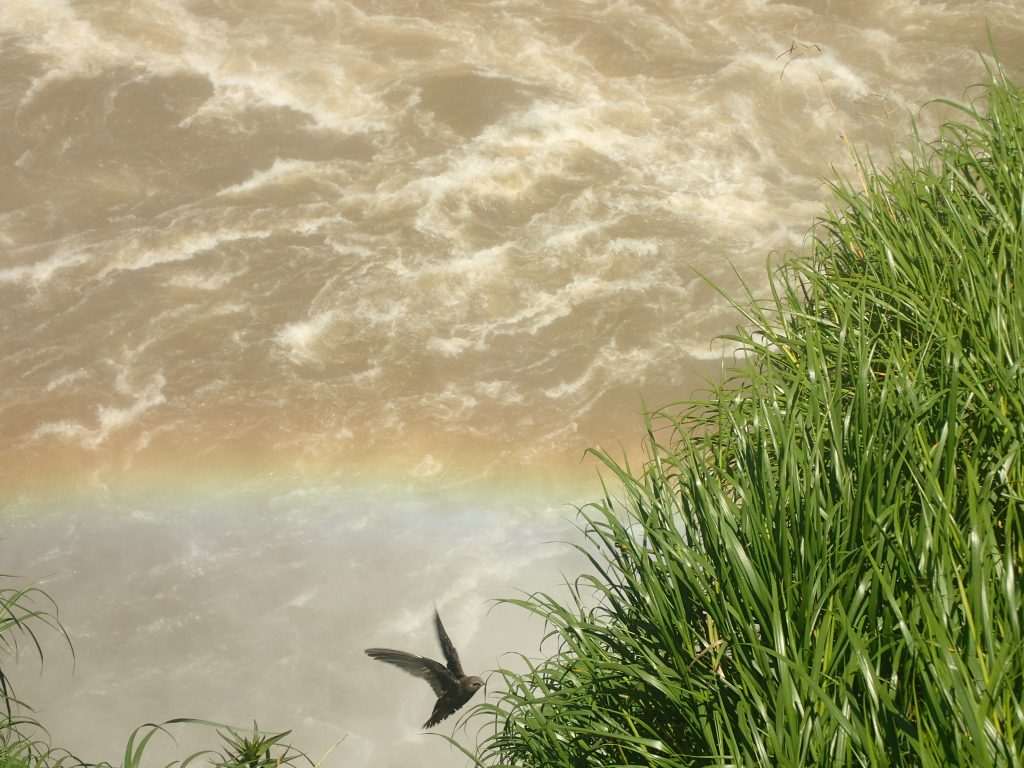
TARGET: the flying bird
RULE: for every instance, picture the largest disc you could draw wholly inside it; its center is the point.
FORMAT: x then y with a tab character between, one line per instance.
452	686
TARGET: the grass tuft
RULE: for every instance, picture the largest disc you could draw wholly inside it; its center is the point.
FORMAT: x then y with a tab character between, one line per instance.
818	564
24	743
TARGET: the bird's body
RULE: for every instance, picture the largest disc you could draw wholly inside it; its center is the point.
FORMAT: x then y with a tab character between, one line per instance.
452	686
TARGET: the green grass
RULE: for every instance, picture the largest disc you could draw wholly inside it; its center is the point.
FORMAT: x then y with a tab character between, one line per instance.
818	563
23	611
24	742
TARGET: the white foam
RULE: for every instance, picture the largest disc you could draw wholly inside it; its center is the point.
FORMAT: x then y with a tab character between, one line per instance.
824	69
242	82
639	247
40	272
369	376
109	419
548	307
382	310
502	391
66	378
51	27
247	64
183	246
571	235
485	262
612	366
300	338
208	281
452	346
715	349
282	171
513	158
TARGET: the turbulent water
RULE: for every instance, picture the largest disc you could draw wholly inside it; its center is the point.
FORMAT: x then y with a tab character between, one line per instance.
311	307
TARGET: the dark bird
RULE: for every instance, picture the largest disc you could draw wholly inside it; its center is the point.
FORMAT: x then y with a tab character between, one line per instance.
452	686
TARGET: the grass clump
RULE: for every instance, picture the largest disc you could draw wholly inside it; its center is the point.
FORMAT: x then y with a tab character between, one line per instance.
24	743
818	564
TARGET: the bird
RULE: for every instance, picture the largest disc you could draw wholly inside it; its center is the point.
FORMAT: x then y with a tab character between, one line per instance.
451	685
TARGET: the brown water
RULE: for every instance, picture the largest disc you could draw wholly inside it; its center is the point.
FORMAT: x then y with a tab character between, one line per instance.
310	309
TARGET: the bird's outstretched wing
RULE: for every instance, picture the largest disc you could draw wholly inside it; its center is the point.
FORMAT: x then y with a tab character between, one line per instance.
450	655
439	677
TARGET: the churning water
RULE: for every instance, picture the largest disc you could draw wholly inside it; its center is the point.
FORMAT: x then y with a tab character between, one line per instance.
311	307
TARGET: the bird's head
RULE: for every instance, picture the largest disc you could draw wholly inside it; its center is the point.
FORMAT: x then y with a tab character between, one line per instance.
473	683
